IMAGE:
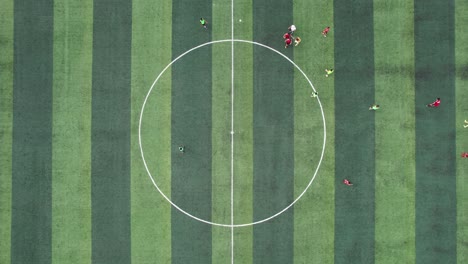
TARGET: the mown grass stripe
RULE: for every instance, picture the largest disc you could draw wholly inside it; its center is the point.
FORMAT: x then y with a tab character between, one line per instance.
435	132
314	213
395	174
354	132
151	213
191	181
71	163
243	121
6	126
32	133
111	69
273	134
221	127
461	93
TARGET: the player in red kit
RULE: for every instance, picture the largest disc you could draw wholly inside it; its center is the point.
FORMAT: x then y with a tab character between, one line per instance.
287	42
325	31
286	36
436	103
347	182
464	155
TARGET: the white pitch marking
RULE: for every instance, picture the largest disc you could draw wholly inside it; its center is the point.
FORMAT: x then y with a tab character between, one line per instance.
232	132
197	218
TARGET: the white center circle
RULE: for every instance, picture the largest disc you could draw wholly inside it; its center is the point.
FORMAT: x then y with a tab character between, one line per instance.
187	213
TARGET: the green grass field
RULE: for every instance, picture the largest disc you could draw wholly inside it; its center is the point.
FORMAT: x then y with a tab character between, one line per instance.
74	187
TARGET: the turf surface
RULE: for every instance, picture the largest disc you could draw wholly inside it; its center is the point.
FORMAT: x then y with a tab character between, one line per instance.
273	139
6	126
192	128
110	153
74	76
221	137
32	133
435	134
395	185
243	144
354	132
151	213
461	93
313	213
71	156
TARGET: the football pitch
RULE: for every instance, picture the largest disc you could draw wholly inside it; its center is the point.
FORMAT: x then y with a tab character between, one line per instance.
129	133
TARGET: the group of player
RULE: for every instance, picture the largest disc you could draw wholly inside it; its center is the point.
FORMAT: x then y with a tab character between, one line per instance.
289	37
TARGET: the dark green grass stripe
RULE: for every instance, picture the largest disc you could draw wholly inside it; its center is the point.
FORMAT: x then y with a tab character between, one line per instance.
354	132
32	132
435	132
273	137
191	126
111	132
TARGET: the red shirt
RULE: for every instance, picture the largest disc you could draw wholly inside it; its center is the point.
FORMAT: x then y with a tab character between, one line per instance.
345	181
288	41
286	36
436	103
325	31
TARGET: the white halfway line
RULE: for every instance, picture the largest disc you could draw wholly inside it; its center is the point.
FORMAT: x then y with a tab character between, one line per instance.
232	132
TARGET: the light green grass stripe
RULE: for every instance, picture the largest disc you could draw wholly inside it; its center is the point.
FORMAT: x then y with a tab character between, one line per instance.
221	126
71	142
243	120
395	135
151	52
461	92
314	213
6	125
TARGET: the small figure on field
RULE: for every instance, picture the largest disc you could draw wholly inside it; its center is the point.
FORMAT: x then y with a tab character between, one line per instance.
329	72
347	182
297	40
286	36
464	155
182	149
203	22
465	126
287	42
314	94
291	29
374	107
436	103
325	31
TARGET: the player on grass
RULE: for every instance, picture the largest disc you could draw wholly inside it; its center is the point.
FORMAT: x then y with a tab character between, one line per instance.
347	182
203	23
374	107
291	29
287	42
329	72
297	40
436	103
182	149
325	31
